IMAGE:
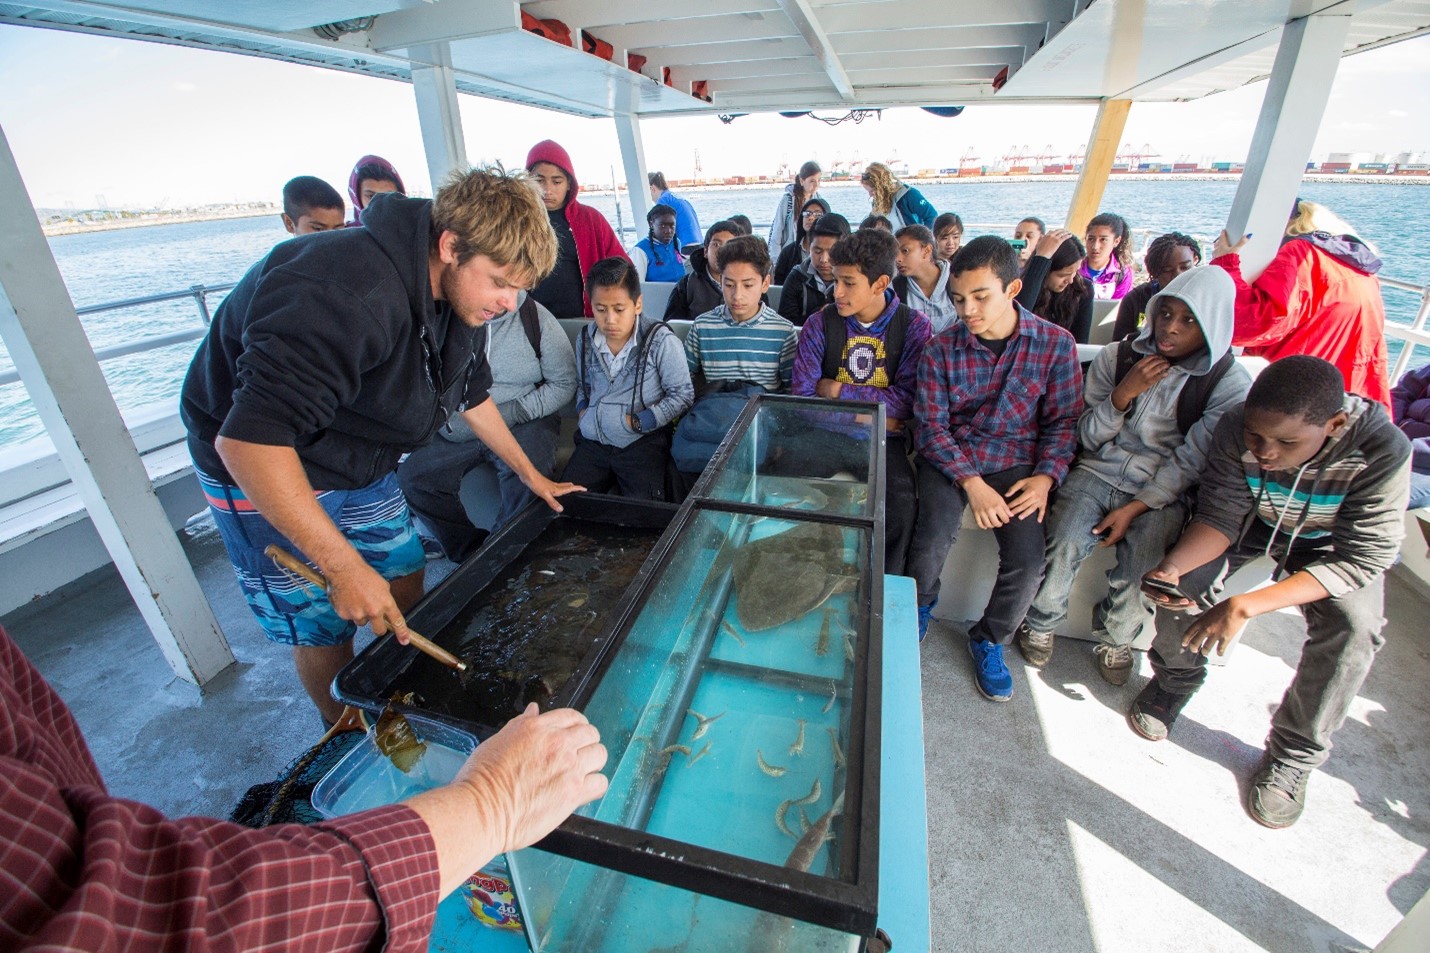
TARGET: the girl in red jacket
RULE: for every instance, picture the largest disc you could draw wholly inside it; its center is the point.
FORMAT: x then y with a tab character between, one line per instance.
1319	296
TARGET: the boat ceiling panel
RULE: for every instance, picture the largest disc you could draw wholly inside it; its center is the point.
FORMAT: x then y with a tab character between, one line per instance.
760	54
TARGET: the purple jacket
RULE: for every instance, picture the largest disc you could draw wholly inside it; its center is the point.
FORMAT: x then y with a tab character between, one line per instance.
1410	403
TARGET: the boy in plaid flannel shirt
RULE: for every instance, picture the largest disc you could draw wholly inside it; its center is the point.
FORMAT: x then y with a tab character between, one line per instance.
995	425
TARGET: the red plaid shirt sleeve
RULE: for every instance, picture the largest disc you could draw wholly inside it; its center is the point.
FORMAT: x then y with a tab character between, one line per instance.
80	869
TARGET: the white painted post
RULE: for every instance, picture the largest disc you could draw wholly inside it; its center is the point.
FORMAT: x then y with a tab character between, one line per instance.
628	131
48	345
1296	95
438	115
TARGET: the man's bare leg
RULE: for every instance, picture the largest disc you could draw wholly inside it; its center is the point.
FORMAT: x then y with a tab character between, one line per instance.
317	666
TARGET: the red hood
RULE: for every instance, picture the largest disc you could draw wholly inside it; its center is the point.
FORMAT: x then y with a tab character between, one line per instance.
547	150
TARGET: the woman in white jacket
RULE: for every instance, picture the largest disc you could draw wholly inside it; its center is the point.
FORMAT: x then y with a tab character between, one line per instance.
786	227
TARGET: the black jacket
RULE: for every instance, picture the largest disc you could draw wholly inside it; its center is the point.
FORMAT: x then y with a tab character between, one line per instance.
333	345
694	294
801	296
1078	317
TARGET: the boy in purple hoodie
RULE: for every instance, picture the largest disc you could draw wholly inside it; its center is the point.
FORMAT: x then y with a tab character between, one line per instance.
372	175
865	346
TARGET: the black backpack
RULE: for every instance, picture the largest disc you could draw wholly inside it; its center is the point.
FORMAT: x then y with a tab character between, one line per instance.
836	336
1192	401
531	323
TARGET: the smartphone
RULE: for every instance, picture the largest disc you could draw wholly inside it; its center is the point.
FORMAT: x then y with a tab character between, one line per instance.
1164	587
1018	243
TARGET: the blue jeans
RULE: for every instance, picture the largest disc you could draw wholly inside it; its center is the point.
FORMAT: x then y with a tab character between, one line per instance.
1081	503
431	479
1419	491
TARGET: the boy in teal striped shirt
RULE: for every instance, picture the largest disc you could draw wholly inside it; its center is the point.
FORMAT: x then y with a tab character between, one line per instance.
739	349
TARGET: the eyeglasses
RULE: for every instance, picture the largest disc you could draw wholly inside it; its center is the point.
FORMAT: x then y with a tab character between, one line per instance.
812	212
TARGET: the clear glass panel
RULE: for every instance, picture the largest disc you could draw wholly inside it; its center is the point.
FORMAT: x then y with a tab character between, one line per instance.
797	456
569	906
726	710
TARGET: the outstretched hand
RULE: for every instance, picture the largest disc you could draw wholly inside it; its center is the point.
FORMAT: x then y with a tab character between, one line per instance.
548	490
531	775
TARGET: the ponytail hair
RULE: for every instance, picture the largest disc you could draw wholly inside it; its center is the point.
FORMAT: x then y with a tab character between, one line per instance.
1122	251
805	171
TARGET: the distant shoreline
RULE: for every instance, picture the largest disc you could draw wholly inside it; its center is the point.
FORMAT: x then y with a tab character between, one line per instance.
172	218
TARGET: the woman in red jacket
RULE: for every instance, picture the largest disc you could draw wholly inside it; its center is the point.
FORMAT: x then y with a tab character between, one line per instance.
1319	296
583	236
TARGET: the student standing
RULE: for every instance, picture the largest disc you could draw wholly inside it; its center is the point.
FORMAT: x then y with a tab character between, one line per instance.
1108	265
1152	405
631	384
373	175
583	236
865	346
902	204
1318	479
687	223
784	228
810	285
999	395
311	205
922	283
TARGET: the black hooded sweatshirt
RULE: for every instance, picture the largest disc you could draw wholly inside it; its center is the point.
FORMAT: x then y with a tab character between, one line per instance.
333	345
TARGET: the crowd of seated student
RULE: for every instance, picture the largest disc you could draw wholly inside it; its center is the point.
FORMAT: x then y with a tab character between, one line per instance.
810	284
657	257
1054	287
798	250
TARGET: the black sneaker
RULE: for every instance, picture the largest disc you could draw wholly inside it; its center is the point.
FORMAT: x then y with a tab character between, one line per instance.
1278	793
1037	647
1154	711
1114	662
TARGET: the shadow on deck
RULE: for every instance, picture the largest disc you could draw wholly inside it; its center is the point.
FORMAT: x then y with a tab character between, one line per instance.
1051	826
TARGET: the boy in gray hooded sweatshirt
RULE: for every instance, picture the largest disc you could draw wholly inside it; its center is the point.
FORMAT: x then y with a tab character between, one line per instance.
1317	479
1152	404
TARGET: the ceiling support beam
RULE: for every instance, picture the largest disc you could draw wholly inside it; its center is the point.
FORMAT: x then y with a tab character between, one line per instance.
48	345
628	131
435	87
802	15
1291	112
1097	164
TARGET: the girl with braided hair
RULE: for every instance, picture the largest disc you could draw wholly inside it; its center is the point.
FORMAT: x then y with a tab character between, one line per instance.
1167	257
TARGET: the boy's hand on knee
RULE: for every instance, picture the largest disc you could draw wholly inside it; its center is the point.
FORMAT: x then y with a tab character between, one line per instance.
1114	525
989	509
1030	495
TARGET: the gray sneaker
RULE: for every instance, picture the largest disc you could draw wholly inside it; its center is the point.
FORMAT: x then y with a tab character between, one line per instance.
1036	647
1114	662
1278	793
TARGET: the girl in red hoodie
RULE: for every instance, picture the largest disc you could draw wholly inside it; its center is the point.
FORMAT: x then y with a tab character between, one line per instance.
583	235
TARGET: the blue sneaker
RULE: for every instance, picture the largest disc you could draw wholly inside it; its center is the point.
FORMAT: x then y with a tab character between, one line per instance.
994	681
925	617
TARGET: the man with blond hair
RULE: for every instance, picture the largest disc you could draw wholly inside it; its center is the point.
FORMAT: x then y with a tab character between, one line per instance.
333	357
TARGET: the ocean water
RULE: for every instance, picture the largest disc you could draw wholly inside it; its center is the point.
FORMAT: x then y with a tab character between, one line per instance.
108	266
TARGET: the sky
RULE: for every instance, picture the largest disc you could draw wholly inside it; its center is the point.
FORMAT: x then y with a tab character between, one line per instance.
102	122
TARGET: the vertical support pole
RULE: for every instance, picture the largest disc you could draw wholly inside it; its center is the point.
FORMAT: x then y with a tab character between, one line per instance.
438	115
1097	163
48	345
1291	112
628	131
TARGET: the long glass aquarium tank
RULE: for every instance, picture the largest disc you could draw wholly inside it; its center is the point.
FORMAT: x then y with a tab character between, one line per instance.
739	699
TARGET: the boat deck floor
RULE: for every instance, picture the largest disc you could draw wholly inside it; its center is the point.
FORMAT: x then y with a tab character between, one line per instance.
1051	826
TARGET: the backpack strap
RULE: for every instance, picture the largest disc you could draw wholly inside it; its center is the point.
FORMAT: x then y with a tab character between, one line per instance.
1192	401
894	339
531	323
835	337
900	284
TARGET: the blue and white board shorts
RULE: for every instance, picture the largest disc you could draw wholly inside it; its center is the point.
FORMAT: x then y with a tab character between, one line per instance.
292	611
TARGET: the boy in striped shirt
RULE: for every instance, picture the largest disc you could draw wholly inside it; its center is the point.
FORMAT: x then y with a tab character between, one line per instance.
739	349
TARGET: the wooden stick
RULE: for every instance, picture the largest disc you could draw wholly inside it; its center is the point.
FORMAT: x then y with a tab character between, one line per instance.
287	561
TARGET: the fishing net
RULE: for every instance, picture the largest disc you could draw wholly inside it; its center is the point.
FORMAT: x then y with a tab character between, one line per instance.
288	799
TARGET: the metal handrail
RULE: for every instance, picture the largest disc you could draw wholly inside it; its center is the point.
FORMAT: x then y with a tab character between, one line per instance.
152	342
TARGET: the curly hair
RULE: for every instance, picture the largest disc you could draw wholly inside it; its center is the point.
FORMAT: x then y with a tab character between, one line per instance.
880	178
1161	247
498	214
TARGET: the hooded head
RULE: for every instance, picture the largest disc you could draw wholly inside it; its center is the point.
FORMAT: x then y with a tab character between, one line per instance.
1210	295
372	169
550	153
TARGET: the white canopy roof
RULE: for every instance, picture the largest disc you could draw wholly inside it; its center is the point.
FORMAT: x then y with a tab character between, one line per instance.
760	55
